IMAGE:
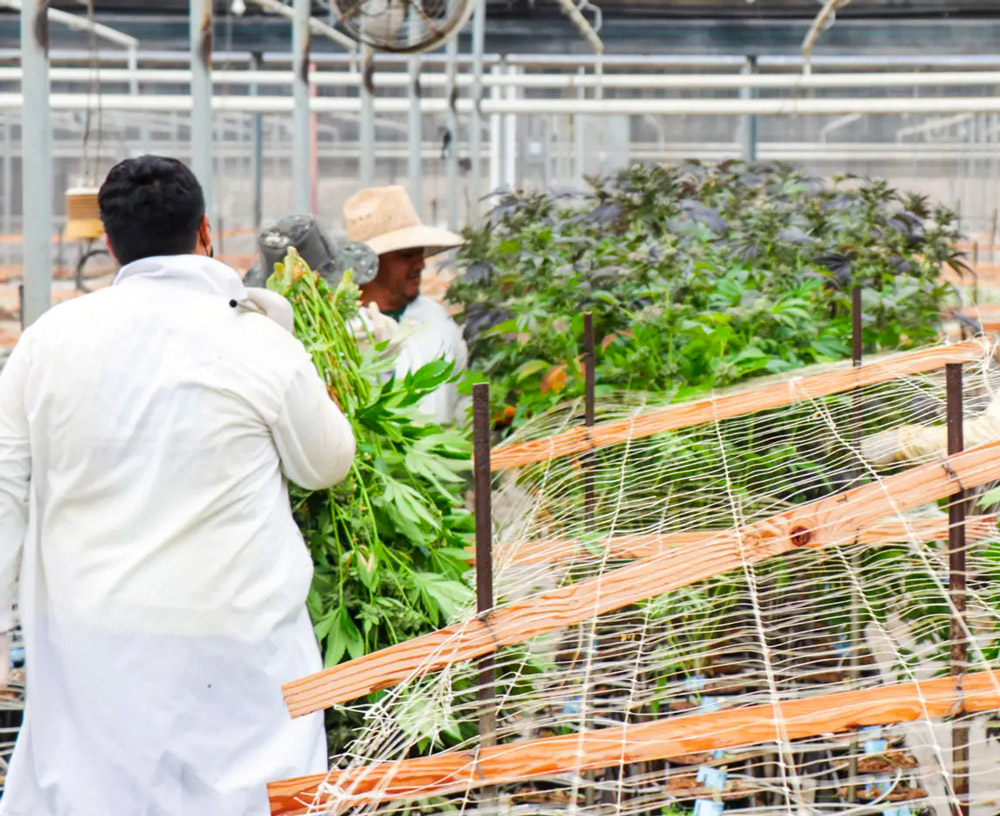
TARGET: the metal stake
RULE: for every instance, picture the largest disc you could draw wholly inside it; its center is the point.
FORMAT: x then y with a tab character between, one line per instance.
856	336
956	591
857	352
483	480
589	363
36	162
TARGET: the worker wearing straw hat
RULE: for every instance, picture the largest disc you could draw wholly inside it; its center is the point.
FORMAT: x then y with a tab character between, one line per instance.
146	432
384	218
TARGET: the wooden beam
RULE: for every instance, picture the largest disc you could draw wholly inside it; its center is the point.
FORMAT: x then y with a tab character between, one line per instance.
734	404
644	545
838	519
459	771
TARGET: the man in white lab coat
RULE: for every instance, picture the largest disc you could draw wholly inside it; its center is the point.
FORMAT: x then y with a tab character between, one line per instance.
146	433
385	219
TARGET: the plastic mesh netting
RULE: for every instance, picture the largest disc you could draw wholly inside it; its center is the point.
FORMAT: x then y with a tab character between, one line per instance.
745	610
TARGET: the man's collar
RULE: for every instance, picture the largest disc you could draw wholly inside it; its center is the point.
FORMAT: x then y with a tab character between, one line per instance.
197	272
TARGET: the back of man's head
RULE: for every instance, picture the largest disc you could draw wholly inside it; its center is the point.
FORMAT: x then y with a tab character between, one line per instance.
151	206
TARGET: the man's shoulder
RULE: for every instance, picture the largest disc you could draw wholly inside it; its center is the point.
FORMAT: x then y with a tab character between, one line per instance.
81	308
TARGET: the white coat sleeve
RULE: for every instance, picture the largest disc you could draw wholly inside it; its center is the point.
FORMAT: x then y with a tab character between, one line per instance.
914	442
313	437
15	476
918	442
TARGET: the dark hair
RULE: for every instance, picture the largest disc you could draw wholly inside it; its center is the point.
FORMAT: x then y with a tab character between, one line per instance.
151	206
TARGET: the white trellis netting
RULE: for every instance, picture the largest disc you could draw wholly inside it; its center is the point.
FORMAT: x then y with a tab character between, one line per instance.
740	613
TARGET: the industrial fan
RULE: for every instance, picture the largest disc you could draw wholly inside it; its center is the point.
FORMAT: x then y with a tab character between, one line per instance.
402	26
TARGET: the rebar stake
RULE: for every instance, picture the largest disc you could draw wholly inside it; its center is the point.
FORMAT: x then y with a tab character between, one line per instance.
956	592
589	364
857	355
483	482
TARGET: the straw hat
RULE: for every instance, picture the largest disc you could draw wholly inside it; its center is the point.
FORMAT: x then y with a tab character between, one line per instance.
384	218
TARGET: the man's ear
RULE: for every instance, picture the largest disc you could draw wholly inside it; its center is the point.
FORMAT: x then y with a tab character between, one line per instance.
205	235
111	251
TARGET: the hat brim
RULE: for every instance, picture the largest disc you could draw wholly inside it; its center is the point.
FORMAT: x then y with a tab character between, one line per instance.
431	239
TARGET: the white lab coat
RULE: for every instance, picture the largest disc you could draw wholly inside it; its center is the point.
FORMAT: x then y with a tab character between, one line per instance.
145	433
429	333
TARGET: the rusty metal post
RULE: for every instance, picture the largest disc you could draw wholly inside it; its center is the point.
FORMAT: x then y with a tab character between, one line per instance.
857	354
956	591
483	482
856	336
589	365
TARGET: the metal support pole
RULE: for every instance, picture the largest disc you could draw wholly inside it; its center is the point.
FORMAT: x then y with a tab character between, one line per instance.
8	189
367	126
956	591
510	136
476	117
749	122
301	131
496	137
483	480
201	97
257	150
415	134
36	162
580	148
451	156
313	149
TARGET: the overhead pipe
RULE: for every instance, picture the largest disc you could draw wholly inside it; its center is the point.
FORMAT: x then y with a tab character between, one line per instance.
827	14
572	61
317	27
797	151
588	32
521	106
76	23
679	82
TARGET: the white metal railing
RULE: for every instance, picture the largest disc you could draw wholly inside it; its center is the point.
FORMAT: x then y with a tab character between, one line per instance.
788	106
537	81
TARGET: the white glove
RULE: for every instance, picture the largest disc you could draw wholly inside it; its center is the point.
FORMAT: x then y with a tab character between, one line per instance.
272	305
882	448
4	659
373	326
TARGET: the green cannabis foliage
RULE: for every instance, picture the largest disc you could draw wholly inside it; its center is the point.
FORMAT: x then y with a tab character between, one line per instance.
389	542
698	276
